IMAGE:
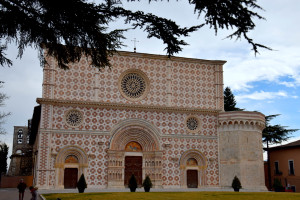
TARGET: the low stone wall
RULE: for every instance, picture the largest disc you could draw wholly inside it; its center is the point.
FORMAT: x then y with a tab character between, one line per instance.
13	181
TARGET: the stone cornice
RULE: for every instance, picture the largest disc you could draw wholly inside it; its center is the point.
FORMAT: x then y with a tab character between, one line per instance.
241	120
172	58
57	102
104	133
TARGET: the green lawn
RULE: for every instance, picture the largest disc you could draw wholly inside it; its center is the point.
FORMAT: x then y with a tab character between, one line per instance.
176	196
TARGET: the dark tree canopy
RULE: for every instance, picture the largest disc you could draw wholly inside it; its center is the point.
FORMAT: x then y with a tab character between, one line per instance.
275	134
229	101
70	29
3	157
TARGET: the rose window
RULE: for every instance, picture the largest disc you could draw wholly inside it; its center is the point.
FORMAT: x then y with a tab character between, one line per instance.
192	123
133	85
73	118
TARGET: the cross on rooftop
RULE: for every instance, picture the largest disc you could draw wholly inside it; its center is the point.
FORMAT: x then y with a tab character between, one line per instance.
134	42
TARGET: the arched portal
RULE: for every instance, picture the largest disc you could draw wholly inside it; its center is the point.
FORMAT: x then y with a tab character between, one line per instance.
134	142
192	169
70	163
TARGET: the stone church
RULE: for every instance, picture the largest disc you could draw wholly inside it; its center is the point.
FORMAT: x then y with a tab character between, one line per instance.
146	115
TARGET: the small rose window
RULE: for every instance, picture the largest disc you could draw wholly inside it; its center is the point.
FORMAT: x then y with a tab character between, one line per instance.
74	118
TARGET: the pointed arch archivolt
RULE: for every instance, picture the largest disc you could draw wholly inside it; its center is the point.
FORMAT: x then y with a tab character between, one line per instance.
138	130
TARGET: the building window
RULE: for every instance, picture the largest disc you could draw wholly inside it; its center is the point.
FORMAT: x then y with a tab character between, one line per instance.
291	167
133	84
192	124
28	139
277	172
74	118
20	133
19	151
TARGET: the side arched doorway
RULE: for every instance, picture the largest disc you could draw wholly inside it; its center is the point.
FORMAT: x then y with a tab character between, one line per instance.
134	149
192	169
71	172
70	163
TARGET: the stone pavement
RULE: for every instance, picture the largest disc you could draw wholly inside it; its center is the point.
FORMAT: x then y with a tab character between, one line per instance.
13	194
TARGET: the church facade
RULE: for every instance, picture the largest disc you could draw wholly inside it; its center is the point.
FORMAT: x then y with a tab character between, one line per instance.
146	115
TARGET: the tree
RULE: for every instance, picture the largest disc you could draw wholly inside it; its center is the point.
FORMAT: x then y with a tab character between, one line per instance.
274	134
229	101
3	158
3	97
71	29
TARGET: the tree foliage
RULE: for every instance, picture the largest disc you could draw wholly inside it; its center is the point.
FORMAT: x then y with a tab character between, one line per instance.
3	157
275	134
3	97
229	101
71	29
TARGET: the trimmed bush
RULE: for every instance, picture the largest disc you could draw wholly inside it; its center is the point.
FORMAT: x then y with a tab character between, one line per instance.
132	183
236	184
81	184
147	184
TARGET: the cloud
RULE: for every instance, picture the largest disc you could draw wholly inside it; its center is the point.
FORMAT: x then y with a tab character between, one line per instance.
262	95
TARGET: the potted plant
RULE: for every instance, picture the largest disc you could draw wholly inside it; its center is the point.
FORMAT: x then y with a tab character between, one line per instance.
147	184
81	184
277	185
236	184
132	183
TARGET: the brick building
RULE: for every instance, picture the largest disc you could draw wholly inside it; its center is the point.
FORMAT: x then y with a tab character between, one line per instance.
21	158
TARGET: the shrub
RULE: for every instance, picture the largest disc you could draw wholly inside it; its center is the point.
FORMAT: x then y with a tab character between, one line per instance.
277	185
147	184
132	183
81	184
236	184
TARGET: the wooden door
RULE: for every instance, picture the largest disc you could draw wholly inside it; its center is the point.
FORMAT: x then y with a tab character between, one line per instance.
133	165
192	178
70	178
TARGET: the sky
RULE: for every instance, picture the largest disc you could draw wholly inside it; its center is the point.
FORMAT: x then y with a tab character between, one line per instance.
268	82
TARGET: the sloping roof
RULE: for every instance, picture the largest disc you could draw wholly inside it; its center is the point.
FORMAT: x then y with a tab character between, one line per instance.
285	146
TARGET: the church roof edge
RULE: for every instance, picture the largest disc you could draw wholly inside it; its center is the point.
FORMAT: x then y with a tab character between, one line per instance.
172	58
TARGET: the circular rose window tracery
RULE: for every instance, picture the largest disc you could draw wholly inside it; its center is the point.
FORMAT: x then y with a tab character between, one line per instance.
192	124
133	84
73	118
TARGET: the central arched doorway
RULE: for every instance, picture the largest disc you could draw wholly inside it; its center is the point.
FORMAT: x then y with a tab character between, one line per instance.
133	163
134	149
133	166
